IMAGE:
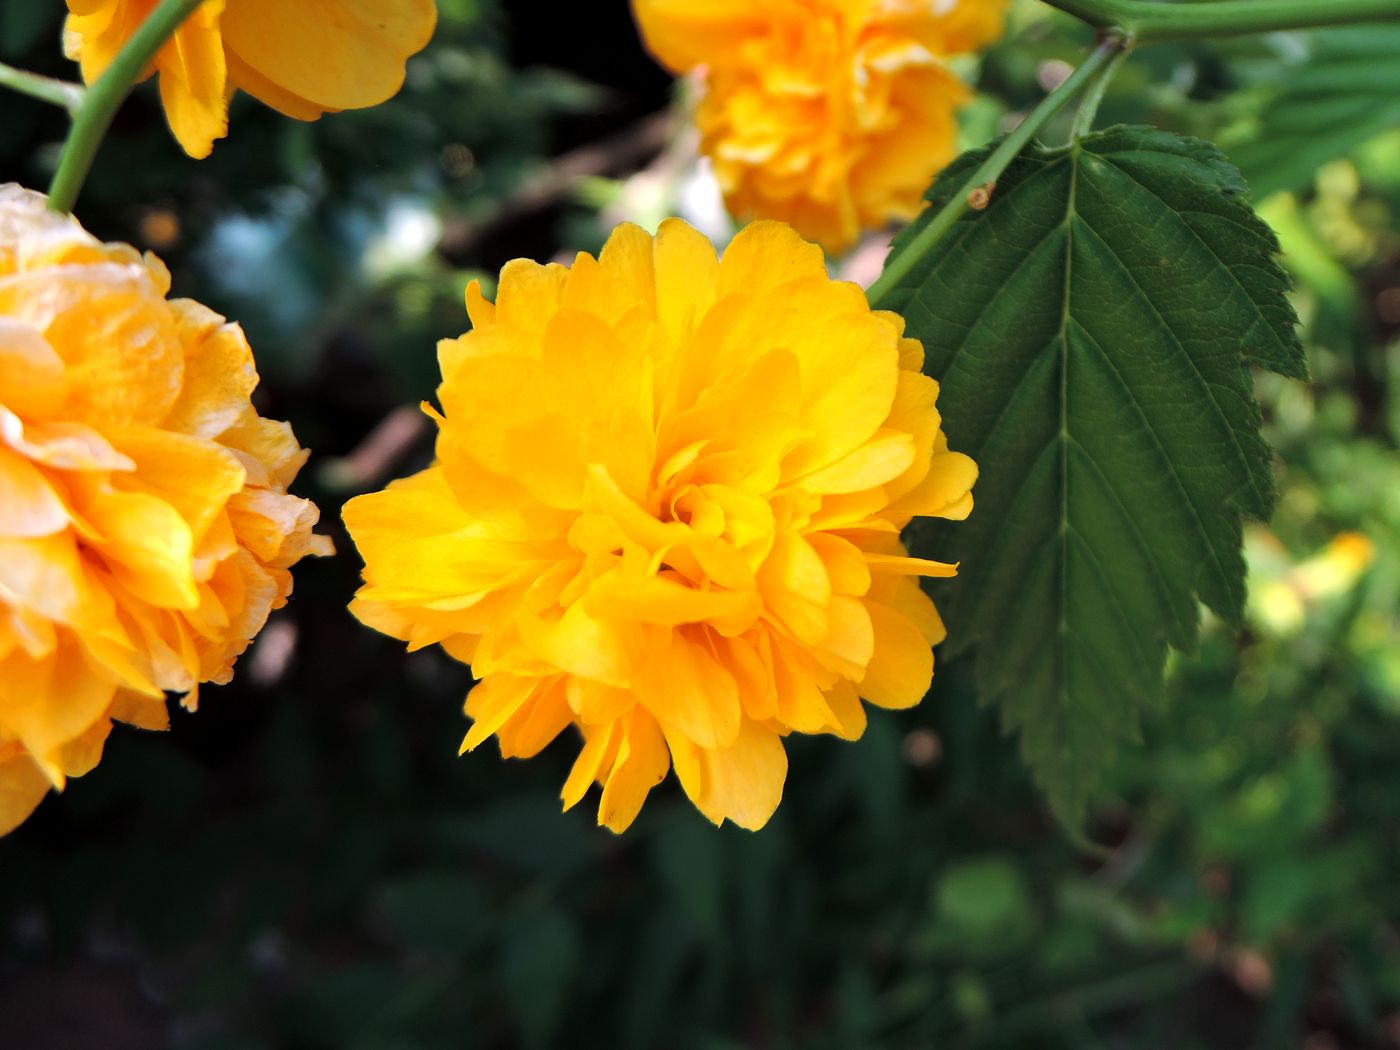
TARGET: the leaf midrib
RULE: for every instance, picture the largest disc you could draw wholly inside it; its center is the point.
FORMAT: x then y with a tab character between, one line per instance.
1133	442
1066	309
1072	155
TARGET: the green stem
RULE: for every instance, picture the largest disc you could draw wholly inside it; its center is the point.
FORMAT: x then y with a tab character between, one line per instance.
1093	96
1148	20
45	89
899	264
105	97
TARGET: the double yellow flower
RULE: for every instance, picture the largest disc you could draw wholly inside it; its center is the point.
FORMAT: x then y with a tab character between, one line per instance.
145	527
831	115
666	510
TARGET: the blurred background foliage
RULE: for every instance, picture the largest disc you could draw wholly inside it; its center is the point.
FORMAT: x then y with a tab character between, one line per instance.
307	862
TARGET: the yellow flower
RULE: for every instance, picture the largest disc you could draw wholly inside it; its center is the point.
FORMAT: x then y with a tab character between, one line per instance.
831	115
1283	592
145	527
666	508
301	57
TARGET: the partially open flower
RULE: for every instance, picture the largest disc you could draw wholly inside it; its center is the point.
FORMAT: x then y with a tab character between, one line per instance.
300	57
666	509
145	527
832	115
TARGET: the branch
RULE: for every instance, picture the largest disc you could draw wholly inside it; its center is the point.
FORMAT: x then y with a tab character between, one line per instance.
983	180
621	151
1148	20
45	89
105	97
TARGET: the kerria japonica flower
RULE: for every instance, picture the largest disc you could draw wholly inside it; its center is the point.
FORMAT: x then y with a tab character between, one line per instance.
145	527
300	57
831	115
666	510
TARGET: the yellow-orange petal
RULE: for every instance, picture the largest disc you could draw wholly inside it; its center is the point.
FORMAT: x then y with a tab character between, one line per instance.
194	82
31	372
642	763
683	34
901	665
22	788
742	783
663	491
261	47
359	52
830	115
30	507
145	527
590	761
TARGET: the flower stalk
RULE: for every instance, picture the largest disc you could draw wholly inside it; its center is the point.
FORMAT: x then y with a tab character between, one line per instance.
1094	93
898	266
94	116
46	89
1150	20
1122	25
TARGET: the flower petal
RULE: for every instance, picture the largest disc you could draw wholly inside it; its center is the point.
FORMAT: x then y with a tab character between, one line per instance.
642	763
359	52
22	788
901	666
29	506
743	782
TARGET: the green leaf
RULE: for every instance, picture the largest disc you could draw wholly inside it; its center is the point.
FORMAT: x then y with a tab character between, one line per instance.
1091	331
1344	92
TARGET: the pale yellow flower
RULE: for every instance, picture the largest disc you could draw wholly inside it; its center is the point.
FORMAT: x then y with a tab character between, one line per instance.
1283	592
831	115
145	527
301	57
666	509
